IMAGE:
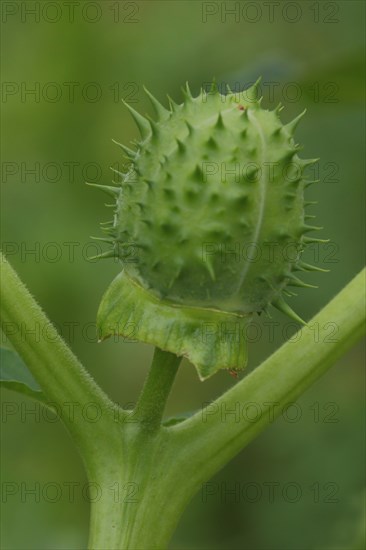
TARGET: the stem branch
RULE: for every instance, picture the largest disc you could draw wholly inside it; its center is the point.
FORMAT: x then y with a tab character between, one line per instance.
279	380
59	373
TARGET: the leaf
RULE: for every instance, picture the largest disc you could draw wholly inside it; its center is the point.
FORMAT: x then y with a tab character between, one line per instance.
195	333
14	375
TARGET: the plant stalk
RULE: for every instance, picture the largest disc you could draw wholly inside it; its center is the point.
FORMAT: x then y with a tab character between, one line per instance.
145	473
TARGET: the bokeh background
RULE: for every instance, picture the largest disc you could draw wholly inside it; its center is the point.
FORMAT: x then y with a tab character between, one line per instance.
80	59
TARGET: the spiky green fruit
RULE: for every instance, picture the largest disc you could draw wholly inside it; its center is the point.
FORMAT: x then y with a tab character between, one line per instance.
209	226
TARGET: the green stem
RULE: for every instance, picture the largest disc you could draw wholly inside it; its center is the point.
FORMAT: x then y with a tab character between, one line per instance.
216	434
186	456
151	404
147	473
59	373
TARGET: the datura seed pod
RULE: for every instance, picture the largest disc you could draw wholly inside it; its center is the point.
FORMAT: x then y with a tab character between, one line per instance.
209	227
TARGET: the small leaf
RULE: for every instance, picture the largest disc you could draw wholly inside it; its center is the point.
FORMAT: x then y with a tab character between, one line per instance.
14	375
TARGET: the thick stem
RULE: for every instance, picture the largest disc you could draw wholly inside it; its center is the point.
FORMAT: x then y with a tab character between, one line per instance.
61	376
136	510
151	404
142	495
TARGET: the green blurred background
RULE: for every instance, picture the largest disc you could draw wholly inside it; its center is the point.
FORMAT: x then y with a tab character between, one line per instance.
311	55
